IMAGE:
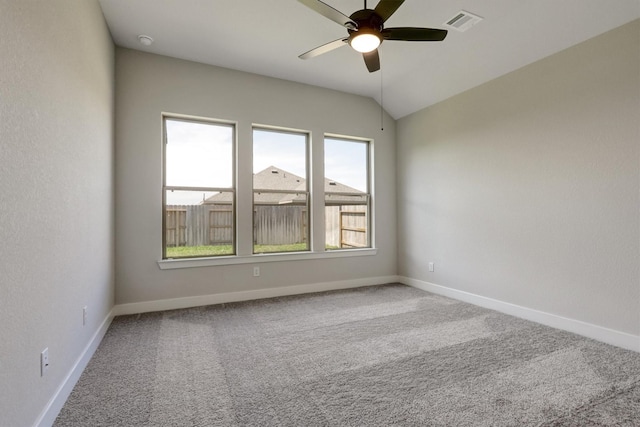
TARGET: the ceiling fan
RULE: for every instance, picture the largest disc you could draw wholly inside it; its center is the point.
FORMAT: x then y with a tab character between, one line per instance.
366	30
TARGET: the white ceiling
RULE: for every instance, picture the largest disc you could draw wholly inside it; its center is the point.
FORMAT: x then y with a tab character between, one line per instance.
266	36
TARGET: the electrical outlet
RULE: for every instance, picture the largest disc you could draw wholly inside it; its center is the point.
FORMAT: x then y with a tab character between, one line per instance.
431	266
256	271
44	361
84	315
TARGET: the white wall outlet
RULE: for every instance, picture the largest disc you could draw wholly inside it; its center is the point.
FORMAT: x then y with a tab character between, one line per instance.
44	361
256	271
431	266
84	315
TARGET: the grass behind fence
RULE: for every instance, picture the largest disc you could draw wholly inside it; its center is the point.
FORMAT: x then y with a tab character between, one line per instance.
216	250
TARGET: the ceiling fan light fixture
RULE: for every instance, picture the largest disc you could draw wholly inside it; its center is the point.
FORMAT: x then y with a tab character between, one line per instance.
367	31
364	41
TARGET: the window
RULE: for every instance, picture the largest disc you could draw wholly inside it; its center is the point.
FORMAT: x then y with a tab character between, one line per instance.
280	191
203	225
347	196
198	188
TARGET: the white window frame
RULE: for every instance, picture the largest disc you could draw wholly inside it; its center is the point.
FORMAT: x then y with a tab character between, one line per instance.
315	170
165	187
307	179
369	192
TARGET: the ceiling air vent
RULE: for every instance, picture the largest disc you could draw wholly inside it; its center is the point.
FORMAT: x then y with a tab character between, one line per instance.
462	21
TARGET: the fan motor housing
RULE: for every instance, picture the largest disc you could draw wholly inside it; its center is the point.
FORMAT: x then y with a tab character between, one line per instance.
367	19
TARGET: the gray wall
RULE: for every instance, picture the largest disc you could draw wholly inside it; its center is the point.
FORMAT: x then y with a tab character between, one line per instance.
526	189
56	182
148	85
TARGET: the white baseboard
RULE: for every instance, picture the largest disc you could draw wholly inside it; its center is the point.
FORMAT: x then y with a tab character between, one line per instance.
196	301
599	333
55	404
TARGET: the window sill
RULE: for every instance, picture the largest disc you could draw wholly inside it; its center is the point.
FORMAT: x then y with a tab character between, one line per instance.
171	264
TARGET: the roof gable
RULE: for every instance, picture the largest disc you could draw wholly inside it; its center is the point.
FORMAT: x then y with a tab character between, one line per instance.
274	178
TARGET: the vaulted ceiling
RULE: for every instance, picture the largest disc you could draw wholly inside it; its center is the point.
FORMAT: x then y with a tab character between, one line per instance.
266	36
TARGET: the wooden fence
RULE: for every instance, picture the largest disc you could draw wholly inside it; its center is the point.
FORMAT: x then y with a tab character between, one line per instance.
279	225
202	225
346	226
198	225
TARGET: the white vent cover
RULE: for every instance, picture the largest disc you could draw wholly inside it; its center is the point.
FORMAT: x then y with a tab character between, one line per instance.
462	21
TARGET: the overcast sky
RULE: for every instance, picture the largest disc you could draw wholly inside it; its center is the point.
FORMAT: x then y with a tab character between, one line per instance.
201	155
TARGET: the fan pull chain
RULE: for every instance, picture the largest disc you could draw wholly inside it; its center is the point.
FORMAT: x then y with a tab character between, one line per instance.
381	106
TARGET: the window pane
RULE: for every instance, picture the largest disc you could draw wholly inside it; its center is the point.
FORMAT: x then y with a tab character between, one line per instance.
279	151
281	216
346	162
198	154
346	194
198	224
280	227
346	226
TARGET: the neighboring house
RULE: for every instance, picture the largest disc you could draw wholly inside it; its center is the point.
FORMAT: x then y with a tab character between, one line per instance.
280	214
273	178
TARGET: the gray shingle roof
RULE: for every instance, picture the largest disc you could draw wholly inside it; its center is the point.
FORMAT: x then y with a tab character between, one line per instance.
273	178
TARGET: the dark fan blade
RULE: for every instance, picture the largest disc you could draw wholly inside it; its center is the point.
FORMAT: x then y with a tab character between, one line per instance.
372	60
329	12
386	8
324	48
414	34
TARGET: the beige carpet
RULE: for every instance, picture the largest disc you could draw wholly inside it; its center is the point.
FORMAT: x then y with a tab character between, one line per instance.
375	356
